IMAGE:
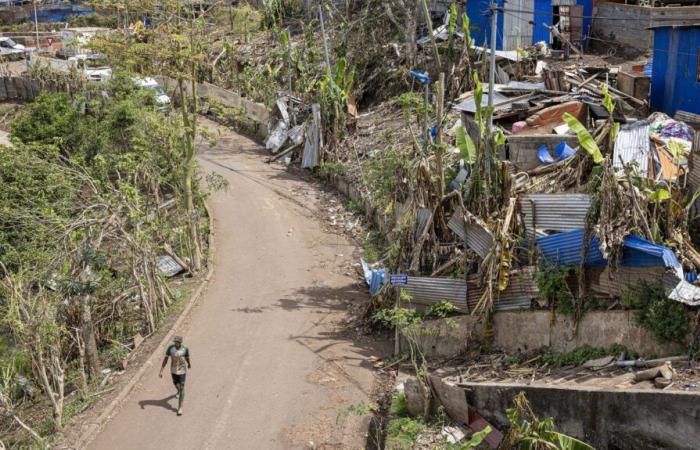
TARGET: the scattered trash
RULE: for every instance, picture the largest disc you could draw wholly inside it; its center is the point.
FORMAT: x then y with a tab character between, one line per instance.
168	266
453	434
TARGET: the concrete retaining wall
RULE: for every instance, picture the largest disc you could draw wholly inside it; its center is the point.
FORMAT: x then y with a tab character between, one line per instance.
521	331
633	31
248	117
607	419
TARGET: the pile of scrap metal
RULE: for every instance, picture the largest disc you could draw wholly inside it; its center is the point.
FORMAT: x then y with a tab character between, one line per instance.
575	181
288	138
611	192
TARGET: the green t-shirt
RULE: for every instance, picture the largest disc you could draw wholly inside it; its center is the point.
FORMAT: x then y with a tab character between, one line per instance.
178	363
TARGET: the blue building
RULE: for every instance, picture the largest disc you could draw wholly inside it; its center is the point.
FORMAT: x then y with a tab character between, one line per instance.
675	78
522	22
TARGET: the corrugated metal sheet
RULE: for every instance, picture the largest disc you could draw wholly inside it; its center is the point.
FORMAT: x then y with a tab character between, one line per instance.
469	105
422	217
521	291
565	249
694	163
554	212
476	236
633	144
615	283
429	291
314	140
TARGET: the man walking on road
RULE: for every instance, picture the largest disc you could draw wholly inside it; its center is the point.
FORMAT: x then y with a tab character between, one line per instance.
179	363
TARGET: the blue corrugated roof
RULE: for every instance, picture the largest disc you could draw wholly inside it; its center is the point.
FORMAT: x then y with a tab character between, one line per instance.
564	249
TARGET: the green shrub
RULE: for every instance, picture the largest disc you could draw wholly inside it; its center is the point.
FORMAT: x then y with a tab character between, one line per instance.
403	432
551	282
667	319
328	170
398	406
582	354
441	310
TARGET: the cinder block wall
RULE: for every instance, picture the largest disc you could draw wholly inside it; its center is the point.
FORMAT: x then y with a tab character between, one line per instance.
630	26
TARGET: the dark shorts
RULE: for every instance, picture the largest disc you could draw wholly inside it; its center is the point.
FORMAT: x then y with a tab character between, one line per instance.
179	379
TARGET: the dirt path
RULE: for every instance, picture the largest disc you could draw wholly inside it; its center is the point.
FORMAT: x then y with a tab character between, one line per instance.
273	359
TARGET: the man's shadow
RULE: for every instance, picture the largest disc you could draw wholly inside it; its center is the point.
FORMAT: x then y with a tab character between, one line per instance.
163	403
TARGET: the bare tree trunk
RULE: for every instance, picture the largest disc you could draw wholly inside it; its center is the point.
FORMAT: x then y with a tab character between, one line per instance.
81	361
190	123
92	358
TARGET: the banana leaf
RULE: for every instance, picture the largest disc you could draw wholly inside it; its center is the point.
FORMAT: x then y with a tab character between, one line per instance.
466	146
584	138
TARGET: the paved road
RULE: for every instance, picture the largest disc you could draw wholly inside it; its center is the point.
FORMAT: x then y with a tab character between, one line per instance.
272	362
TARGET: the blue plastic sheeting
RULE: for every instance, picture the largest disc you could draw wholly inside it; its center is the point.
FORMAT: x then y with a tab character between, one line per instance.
561	152
639	252
373	277
564	249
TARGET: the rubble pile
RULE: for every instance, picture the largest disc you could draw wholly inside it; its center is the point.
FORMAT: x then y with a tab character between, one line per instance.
567	172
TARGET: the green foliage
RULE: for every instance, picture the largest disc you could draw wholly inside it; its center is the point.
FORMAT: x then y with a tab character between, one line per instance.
329	169
387	174
528	432
475	441
397	317
467	149
51	120
551	282
371	247
359	410
245	19
511	360
584	138
441	310
355	206
398	407
79	217
402	433
582	354
667	319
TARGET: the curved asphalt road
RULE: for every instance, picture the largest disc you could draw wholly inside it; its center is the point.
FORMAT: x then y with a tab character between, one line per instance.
272	366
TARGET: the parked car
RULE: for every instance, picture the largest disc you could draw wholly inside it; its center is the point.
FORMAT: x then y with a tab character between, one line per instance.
92	67
162	99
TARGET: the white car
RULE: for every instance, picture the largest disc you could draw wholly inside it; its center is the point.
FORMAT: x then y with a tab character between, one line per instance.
162	99
94	67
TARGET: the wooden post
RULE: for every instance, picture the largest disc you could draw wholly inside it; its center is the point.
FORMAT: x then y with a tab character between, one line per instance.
438	135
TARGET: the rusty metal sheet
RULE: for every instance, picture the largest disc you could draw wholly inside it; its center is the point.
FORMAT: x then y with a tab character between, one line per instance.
554	212
616	283
475	234
428	291
520	293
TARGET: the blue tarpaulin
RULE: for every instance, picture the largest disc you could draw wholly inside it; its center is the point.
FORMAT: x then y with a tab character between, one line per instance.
373	277
564	249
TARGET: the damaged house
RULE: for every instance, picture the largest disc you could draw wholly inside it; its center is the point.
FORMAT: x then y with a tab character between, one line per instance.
527	22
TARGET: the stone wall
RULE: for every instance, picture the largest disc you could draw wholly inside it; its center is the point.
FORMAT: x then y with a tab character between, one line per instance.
633	31
252	118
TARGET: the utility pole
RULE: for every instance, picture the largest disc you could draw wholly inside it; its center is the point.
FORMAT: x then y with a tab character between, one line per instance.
36	26
325	39
492	59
